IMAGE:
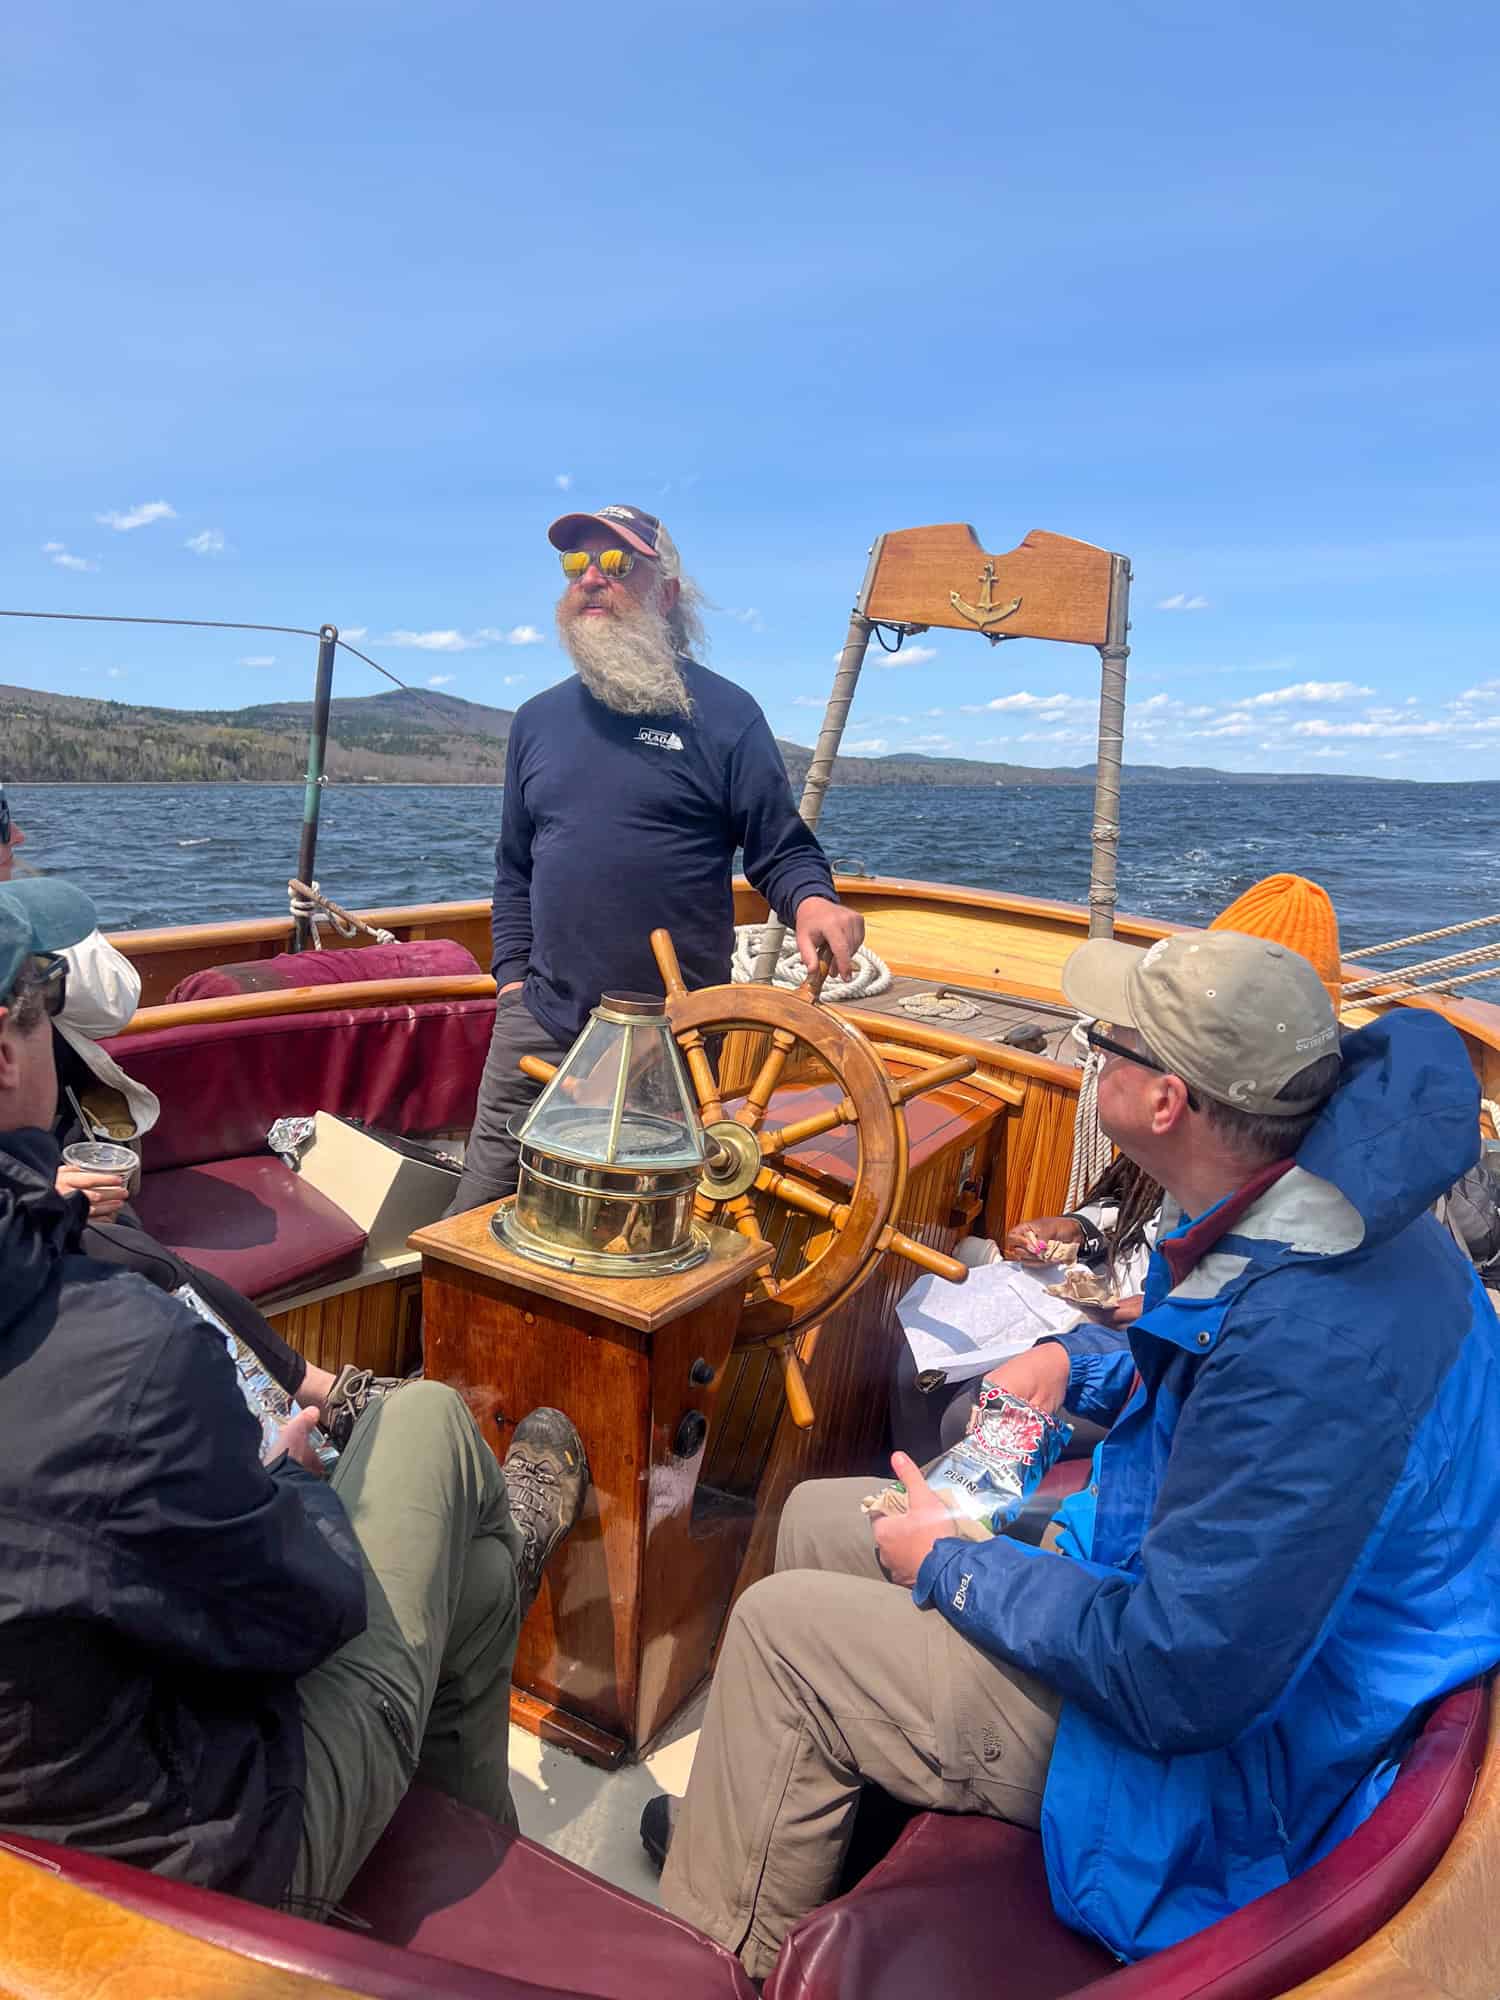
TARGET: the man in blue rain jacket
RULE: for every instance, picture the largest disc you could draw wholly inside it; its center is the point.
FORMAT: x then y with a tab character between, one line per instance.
1289	1546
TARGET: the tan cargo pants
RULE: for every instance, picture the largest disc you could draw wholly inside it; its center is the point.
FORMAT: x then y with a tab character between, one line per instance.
830	1679
425	1689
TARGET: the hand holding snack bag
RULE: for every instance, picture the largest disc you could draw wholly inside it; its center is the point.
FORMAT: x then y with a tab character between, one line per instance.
987	1478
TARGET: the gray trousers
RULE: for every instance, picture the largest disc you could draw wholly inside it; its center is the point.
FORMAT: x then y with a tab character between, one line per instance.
491	1155
830	1679
424	1691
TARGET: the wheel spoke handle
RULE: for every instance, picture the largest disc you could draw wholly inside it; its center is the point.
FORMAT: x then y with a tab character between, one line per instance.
798	1402
797	1194
813	985
934	1078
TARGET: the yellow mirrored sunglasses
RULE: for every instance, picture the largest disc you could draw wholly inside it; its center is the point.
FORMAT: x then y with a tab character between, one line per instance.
612	562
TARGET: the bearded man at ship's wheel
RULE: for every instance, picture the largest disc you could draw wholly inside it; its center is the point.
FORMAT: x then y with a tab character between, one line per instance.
628	790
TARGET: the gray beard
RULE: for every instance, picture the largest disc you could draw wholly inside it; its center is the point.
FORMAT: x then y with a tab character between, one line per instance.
628	663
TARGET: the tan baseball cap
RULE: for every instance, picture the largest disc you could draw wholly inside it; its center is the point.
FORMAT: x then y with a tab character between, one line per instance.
1235	1016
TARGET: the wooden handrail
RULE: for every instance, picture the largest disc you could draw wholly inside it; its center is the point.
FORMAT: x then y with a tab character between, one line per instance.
357	993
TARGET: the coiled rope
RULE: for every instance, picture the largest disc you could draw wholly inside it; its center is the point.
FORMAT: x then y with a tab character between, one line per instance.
871	975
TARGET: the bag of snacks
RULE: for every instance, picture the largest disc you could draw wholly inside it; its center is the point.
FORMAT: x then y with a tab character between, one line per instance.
987	1478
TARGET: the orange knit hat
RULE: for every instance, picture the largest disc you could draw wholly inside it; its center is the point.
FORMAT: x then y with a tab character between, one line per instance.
1290	910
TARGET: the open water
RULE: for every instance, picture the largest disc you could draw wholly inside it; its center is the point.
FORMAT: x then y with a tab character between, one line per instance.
1396	858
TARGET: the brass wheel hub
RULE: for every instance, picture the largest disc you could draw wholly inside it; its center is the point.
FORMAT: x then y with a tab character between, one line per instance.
734	1159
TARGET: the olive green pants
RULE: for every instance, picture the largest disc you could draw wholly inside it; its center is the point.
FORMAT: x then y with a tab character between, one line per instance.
424	1691
830	1679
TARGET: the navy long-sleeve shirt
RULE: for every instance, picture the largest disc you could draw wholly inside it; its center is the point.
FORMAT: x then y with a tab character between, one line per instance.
616	825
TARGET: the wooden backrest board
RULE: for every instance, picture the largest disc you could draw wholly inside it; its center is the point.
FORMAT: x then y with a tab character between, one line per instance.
1051	587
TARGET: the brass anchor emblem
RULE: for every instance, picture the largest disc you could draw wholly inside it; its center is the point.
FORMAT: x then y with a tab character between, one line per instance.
986	612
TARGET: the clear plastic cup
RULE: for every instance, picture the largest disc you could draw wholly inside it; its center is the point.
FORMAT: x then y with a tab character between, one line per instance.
98	1156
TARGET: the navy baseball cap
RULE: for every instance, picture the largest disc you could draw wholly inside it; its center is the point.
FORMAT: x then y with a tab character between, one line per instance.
39	915
636	528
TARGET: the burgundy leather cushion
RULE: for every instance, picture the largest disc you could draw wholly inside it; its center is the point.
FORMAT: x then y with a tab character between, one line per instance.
252	1222
412	1070
961	1905
352	1962
448	1882
431	958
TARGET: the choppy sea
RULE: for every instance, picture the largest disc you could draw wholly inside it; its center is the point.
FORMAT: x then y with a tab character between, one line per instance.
1395	858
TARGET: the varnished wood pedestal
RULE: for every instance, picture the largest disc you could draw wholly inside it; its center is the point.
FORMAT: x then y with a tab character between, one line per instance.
628	1615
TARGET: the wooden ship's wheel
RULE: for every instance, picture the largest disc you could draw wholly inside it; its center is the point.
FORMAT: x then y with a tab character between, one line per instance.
752	1169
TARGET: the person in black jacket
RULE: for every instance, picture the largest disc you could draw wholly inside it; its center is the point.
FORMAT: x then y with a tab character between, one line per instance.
226	1671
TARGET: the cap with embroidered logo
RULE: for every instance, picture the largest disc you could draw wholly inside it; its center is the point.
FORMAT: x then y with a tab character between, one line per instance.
637	529
1236	1017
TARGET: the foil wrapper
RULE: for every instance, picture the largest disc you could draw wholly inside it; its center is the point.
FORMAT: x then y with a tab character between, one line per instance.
290	1137
987	1478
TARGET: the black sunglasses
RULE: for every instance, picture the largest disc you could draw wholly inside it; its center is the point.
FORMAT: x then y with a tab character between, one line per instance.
1106	1044
53	982
4	819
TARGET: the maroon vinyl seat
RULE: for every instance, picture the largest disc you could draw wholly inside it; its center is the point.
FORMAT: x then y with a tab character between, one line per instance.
960	1905
210	1188
252	1222
447	1906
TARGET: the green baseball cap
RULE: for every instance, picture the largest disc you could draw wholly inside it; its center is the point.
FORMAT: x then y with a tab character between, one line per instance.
1236	1017
39	915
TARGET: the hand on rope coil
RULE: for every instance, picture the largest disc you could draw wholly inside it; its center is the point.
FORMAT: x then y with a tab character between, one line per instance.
871	975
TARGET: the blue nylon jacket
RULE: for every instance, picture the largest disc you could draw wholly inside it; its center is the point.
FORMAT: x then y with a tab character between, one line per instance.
1291	1541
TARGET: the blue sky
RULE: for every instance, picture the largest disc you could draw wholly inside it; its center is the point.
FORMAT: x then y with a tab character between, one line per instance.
321	311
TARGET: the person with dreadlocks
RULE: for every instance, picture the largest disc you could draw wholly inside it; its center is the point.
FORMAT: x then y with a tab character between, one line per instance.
1113	1229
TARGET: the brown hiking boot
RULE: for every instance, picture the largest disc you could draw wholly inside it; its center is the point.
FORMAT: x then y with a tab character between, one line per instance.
547	1478
353	1391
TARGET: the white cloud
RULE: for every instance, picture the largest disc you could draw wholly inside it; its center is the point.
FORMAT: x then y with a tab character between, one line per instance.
809	701
1320	726
750	618
929	743
207	542
514	680
1306	691
1039	704
1325	751
63	560
259	660
563	481
447	640
909	656
137	517
438	680
1051	736
867	746
354	633
1486	690
933	713
117	673
1180	601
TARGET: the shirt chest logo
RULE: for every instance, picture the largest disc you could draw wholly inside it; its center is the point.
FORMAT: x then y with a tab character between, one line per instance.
659	739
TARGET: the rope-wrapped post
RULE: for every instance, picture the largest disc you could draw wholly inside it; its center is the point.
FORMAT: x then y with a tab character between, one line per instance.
317	746
1105	833
820	770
